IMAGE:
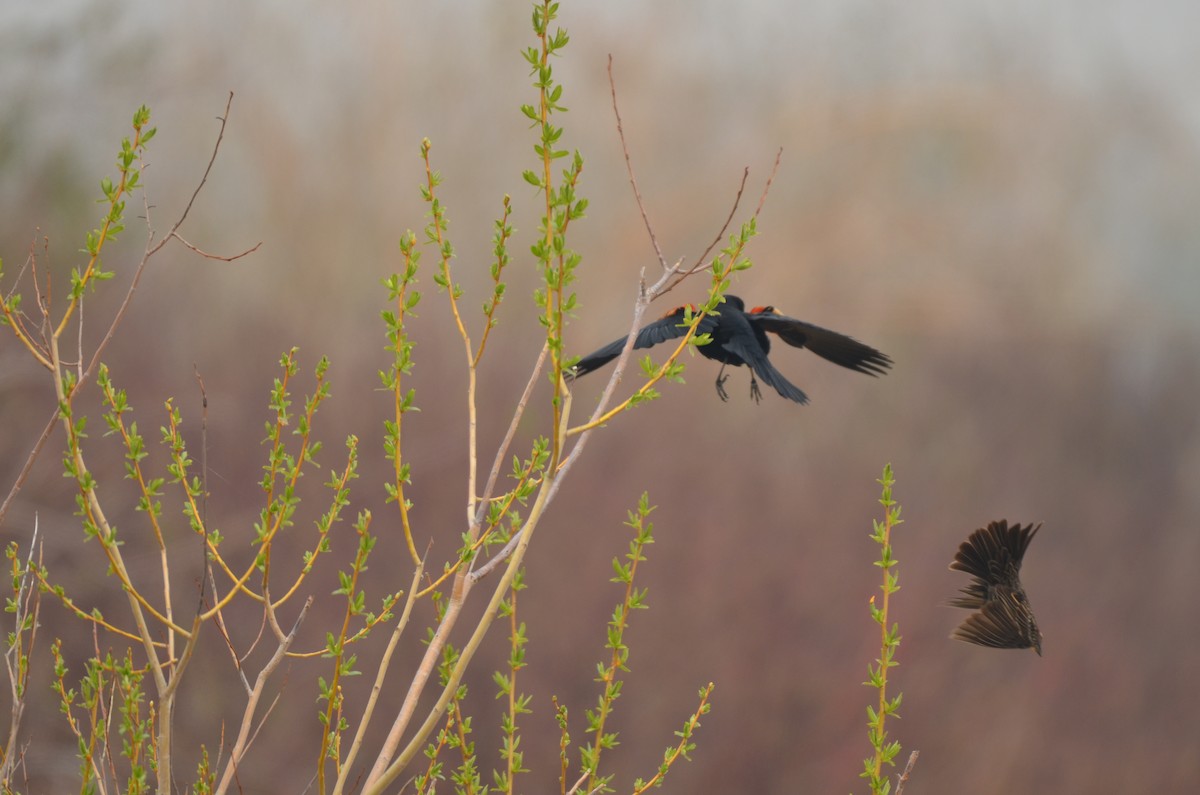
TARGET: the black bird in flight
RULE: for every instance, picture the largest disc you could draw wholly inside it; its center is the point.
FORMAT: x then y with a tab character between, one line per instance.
740	338
1003	617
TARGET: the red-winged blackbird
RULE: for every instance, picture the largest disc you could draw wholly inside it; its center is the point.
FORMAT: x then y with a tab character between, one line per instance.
739	337
992	556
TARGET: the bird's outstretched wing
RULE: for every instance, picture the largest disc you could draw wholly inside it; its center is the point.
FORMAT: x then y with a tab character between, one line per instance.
669	326
1003	619
829	345
1002	623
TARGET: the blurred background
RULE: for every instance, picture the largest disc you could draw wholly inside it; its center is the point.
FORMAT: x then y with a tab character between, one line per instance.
1001	196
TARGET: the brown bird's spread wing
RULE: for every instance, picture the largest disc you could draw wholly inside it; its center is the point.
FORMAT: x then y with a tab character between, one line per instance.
1003	623
992	556
829	345
669	326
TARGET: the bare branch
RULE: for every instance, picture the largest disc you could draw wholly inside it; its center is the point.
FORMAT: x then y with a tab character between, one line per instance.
204	561
703	258
220	257
900	782
762	200
245	736
203	179
502	454
24	473
629	167
219	616
579	783
152	250
177	673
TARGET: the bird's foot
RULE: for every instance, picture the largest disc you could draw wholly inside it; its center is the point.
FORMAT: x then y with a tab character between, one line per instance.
721	393
755	392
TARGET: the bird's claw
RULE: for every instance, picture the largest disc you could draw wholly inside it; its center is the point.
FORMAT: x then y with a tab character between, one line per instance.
721	393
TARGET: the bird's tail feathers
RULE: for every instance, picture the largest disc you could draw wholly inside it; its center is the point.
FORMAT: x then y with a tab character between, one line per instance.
995	546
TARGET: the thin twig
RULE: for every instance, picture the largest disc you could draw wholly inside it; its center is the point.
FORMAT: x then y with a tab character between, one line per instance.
151	250
502	452
498	558
703	258
189	646
43	301
203	179
29	261
204	562
221	257
629	168
219	617
262	626
762	200
79	341
51	424
245	736
501	455
579	783
900	782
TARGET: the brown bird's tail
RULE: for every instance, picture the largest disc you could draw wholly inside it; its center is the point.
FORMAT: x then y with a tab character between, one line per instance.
992	556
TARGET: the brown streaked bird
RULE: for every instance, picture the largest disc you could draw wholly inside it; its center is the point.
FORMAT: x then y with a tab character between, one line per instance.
1003	617
740	338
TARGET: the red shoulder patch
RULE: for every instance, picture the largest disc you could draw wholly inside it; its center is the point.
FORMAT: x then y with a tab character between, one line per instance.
679	310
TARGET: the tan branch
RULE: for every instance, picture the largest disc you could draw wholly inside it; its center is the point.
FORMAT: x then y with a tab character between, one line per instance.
637	194
221	257
903	779
241	744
